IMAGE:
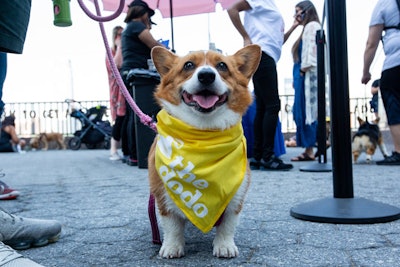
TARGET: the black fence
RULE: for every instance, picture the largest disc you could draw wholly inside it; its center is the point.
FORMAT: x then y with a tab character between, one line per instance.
33	118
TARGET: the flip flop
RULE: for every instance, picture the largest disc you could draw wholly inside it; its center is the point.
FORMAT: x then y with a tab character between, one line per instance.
303	157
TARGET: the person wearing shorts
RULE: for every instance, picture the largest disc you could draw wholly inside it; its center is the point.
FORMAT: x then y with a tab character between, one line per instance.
386	19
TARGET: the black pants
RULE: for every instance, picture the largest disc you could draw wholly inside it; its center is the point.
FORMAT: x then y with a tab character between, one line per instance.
268	104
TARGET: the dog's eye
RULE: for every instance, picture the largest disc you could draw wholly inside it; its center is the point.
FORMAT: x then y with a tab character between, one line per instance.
222	66
188	65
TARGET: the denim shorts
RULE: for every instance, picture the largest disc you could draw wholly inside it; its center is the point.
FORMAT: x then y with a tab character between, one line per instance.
390	91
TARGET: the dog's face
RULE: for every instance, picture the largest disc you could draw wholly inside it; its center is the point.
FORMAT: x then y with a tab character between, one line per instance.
34	143
206	89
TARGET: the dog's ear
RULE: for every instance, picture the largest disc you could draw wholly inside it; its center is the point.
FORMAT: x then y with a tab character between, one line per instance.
163	59
248	59
360	121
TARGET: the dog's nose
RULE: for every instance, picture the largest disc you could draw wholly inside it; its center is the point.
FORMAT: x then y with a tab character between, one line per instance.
206	76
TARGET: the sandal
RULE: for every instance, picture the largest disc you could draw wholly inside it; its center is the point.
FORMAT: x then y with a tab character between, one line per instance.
303	157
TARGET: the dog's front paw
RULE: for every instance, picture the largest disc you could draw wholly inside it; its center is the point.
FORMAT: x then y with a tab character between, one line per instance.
225	249
171	251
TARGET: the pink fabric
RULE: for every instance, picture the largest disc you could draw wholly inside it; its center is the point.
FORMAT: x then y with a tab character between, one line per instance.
180	7
117	99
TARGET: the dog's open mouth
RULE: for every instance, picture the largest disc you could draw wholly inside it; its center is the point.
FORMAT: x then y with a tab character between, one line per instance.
205	100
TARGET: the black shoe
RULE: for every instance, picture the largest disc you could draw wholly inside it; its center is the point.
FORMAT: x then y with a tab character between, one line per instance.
275	164
132	162
392	160
254	164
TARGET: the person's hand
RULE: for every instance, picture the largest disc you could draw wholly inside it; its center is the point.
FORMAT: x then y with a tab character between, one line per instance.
366	78
295	24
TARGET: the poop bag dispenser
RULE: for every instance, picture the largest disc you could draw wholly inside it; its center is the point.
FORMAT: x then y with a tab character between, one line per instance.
62	14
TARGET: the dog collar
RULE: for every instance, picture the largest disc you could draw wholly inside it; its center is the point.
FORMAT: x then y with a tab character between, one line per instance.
201	169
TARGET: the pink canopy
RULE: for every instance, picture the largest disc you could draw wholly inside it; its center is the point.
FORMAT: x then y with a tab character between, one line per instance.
179	8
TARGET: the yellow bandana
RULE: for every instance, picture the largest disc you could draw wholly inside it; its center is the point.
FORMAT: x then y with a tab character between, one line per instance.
201	169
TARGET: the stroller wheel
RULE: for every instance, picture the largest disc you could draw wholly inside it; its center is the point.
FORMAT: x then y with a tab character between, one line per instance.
107	143
74	143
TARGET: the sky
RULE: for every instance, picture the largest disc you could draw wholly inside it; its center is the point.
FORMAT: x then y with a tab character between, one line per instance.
69	62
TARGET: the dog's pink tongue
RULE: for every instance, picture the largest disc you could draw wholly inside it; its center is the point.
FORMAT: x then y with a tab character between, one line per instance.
205	101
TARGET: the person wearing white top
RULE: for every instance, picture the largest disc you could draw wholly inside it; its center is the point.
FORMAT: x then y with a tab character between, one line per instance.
263	25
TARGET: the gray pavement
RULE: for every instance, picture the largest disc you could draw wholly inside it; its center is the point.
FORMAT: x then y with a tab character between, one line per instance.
103	208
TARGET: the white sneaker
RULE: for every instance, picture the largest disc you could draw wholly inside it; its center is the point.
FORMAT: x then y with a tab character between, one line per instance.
10	258
115	156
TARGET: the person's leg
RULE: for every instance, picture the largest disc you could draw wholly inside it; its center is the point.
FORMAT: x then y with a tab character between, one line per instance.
266	90
3	73
395	133
116	137
267	96
390	91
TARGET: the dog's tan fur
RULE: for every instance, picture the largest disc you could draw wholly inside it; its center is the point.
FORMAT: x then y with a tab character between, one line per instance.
174	79
42	141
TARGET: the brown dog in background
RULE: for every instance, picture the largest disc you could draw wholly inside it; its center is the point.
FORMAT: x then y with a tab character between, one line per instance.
366	139
43	139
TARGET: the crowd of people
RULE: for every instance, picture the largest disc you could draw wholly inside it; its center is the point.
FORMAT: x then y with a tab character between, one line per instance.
263	25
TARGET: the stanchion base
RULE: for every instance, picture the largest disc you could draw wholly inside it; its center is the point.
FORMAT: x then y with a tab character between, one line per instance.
345	211
317	167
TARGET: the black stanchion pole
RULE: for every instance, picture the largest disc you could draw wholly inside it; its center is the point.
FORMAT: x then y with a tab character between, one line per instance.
322	165
343	207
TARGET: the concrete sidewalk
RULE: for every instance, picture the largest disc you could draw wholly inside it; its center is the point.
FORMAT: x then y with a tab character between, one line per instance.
103	208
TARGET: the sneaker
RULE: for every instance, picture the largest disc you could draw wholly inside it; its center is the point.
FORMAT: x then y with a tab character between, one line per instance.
22	233
10	258
392	160
254	164
275	164
115	157
7	193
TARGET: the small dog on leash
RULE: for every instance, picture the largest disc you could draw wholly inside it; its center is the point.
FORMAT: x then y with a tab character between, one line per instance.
197	164
367	138
43	139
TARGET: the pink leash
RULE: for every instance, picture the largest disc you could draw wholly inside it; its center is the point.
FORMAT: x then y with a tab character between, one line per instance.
145	119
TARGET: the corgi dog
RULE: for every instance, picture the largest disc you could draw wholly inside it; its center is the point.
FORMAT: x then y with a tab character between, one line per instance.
367	138
45	138
197	165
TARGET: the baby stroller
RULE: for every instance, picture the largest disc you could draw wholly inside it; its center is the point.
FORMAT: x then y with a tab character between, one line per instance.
94	130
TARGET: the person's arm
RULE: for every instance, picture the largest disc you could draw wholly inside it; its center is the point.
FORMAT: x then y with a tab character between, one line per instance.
11	131
309	47
289	32
374	36
118	56
233	13
148	39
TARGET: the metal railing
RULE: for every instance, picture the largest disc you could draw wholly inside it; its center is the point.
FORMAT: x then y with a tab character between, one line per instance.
33	118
